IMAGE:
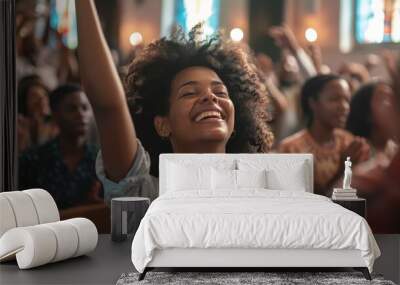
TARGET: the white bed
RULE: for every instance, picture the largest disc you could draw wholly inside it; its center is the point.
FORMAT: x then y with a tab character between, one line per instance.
200	223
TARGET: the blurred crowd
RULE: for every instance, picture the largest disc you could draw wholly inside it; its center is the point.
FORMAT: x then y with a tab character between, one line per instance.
57	140
333	114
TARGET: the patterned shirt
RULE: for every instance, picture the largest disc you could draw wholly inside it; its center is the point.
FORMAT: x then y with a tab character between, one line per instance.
44	167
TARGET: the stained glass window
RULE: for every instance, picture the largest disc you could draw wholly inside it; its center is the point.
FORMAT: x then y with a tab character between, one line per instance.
377	21
190	12
63	20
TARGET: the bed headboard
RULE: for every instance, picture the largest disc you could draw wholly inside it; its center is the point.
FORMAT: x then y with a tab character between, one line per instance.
232	160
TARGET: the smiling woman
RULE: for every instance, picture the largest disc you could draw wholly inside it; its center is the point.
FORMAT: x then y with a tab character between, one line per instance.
187	78
185	94
201	114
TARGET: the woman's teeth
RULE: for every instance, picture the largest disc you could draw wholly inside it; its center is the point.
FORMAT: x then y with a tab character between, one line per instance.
208	114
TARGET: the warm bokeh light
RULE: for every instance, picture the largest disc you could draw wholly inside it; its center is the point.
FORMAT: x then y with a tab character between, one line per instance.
135	39
311	35
236	34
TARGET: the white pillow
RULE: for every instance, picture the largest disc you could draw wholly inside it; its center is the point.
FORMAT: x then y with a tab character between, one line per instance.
282	174
224	179
251	178
296	180
181	177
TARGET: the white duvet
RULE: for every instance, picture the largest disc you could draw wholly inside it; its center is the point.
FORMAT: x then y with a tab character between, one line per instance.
254	218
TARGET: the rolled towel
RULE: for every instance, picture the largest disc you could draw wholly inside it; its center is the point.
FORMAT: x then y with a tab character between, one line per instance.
7	218
33	246
40	244
23	208
87	234
67	240
45	205
26	208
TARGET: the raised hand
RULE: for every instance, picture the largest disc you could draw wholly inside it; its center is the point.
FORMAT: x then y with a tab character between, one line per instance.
106	94
316	57
284	37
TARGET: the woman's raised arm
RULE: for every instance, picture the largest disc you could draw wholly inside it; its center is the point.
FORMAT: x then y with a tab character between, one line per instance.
106	94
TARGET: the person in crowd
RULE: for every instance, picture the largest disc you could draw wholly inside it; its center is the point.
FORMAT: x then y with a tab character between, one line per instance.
289	120
279	102
194	95
380	183
285	39
64	166
315	53
294	68
325	101
372	117
32	56
35	125
372	61
356	74
56	63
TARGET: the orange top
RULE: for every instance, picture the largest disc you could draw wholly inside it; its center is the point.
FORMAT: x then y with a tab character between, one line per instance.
326	158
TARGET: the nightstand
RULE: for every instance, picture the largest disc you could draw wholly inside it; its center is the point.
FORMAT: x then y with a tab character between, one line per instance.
358	205
126	214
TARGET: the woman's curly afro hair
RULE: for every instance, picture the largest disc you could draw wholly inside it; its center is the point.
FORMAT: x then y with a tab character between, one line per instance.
148	85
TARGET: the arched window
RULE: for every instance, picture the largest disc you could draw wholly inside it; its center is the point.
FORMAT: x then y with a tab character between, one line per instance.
377	21
188	13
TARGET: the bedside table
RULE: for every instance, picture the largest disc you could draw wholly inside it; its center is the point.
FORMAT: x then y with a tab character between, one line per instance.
126	214
358	205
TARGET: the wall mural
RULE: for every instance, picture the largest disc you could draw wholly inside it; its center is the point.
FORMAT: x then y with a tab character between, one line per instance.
377	21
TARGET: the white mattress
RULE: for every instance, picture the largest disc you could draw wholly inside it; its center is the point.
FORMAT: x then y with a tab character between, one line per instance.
256	218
